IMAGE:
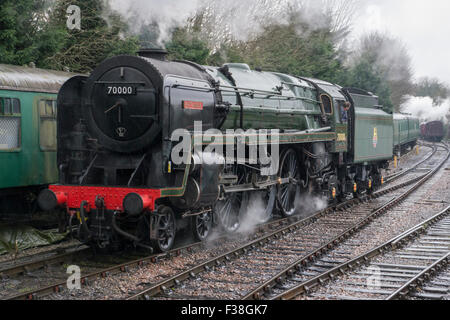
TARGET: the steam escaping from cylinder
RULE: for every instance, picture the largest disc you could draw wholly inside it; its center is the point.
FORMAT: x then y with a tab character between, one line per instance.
254	214
309	204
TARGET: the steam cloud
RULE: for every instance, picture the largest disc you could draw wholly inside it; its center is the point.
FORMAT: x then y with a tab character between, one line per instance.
426	110
254	213
227	20
307	205
166	14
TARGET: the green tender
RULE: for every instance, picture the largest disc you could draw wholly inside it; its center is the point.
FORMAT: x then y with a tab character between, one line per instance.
373	135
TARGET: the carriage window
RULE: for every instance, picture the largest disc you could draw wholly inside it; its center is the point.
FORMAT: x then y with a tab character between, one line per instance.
47	125
10	124
327	104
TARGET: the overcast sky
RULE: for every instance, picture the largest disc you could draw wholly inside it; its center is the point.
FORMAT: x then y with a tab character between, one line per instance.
423	25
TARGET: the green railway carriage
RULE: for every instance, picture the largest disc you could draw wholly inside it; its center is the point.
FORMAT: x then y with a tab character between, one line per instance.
406	132
413	130
27	134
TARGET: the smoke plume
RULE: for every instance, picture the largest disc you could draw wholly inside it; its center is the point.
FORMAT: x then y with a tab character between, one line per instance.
165	14
230	20
426	110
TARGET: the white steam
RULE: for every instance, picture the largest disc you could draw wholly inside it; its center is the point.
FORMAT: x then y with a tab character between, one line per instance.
228	20
254	214
308	204
232	20
426	110
166	14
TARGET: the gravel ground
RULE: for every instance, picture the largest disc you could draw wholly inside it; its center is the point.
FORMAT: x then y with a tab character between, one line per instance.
122	285
125	284
431	198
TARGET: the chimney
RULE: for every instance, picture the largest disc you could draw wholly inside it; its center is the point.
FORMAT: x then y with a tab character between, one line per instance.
158	54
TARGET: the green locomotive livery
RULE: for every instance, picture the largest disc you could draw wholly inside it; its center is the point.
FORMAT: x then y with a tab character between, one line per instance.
117	157
27	135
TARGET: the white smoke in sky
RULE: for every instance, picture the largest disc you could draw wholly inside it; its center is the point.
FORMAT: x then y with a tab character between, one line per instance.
224	20
167	14
426	110
232	20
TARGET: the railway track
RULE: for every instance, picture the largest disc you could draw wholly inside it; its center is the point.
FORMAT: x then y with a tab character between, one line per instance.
65	258
397	175
412	265
142	261
43	260
234	274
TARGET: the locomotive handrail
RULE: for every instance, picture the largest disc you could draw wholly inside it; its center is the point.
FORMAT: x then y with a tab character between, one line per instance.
268	97
297	85
116	82
246	92
265	92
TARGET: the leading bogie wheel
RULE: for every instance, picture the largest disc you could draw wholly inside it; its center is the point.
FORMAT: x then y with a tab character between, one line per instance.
166	230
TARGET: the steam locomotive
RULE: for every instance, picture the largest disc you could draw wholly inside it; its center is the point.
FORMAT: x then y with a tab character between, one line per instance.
116	147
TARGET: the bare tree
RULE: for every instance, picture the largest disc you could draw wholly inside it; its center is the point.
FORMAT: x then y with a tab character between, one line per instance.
235	20
390	58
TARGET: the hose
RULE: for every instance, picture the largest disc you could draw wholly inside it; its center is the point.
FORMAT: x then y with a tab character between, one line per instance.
121	232
83	219
70	226
135	239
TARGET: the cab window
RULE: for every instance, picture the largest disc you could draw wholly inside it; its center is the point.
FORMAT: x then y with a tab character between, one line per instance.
327	104
10	123
47	125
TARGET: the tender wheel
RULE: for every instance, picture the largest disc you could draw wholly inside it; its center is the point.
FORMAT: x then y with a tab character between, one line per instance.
202	226
263	202
166	231
287	193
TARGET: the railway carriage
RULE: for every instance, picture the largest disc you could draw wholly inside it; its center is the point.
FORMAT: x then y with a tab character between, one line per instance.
117	171
27	136
406	132
433	131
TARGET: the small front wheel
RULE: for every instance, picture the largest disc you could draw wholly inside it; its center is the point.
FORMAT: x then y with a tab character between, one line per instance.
166	230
